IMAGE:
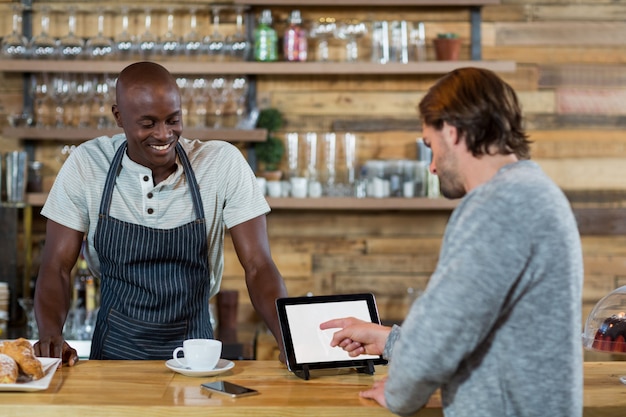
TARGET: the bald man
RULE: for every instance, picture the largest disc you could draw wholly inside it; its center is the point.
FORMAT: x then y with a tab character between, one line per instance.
153	207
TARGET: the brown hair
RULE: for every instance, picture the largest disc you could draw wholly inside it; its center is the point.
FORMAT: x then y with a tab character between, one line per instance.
484	109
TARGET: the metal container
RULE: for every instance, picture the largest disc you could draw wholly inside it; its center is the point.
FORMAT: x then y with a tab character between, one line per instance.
16	173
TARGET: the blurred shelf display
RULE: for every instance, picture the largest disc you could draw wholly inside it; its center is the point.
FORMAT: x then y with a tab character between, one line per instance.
82	134
328	203
364	3
257	68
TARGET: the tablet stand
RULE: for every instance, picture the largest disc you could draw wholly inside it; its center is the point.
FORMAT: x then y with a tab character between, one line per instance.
304	373
367	369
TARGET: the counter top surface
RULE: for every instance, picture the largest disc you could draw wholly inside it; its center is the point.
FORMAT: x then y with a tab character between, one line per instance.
149	388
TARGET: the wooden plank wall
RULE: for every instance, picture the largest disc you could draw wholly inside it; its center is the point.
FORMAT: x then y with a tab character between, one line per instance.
570	77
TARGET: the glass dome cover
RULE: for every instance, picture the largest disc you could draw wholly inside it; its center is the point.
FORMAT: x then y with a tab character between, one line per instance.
605	328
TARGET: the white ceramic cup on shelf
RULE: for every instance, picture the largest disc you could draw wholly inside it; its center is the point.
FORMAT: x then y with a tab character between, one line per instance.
299	187
199	354
274	189
262	184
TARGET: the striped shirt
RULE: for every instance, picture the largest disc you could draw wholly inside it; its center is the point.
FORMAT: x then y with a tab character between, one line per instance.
228	188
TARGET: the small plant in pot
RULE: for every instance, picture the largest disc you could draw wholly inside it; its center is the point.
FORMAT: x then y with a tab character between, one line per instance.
269	154
447	46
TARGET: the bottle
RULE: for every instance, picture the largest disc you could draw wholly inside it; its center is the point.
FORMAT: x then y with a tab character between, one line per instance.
295	39
80	284
86	300
265	39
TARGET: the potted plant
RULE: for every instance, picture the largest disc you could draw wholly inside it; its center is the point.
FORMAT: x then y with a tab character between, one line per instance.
269	153
447	46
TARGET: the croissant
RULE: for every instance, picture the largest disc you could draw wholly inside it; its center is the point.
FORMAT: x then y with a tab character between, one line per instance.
8	369
23	354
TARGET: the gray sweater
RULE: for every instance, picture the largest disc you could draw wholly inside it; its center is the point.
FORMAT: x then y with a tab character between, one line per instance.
498	328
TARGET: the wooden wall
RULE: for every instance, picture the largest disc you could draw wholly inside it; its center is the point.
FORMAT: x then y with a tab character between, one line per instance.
570	76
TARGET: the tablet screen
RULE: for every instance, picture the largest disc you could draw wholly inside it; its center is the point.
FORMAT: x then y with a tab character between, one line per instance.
310	344
306	344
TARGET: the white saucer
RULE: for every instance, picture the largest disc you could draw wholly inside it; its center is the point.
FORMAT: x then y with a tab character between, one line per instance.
223	365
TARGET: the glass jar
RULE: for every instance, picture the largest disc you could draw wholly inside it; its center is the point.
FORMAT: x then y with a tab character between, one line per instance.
34	182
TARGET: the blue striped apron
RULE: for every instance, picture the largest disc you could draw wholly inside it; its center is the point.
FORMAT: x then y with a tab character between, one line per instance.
154	282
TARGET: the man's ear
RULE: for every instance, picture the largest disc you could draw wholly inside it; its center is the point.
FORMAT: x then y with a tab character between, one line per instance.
451	132
116	115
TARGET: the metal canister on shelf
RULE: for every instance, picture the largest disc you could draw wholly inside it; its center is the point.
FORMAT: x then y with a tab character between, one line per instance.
16	174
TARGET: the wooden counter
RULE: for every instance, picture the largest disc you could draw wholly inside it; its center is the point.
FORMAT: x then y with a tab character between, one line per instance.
148	388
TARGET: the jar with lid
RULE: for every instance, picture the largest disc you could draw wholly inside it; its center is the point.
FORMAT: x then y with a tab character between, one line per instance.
295	44
34	182
265	39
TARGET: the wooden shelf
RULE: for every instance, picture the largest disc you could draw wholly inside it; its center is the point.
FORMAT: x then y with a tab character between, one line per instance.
347	203
260	68
83	134
36	199
328	203
366	3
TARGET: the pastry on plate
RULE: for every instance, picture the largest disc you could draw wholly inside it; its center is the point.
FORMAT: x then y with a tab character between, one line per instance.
23	354
8	369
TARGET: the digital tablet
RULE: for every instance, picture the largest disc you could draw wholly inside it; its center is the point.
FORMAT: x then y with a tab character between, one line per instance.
307	346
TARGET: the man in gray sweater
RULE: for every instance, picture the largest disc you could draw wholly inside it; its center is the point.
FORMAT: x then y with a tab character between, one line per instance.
498	327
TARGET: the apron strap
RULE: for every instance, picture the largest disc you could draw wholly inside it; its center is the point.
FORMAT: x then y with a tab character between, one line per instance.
193	183
107	194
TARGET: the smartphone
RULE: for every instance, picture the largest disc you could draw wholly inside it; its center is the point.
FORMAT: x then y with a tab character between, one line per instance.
228	388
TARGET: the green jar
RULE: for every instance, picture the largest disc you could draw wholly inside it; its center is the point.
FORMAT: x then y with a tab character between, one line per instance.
265	39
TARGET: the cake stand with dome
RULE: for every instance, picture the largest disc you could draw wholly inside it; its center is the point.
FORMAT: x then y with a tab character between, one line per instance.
605	328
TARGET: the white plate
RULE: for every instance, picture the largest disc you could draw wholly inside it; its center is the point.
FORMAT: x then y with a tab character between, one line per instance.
223	365
49	368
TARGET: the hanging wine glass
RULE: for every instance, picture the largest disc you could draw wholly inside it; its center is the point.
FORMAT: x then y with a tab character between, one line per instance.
322	30
146	44
61	92
85	92
40	92
350	31
99	46
102	94
124	42
219	91
169	43
15	45
43	46
198	115
192	41
71	104
237	43
70	45
65	151
186	95
215	42
239	95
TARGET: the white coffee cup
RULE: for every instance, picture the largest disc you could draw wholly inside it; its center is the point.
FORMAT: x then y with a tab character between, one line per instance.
199	353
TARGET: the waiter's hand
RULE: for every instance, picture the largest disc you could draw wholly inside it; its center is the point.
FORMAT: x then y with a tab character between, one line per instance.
56	347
